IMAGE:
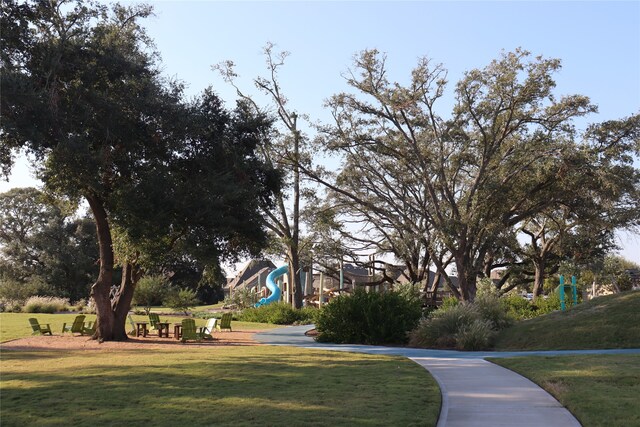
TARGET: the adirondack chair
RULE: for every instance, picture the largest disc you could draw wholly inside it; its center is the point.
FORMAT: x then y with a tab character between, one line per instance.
208	330
133	325
154	319
39	329
189	331
224	322
77	326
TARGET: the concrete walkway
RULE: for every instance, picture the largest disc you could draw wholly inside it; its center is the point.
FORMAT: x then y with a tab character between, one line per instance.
474	392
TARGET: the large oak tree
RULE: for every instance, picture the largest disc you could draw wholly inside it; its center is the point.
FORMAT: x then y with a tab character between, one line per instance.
504	154
82	91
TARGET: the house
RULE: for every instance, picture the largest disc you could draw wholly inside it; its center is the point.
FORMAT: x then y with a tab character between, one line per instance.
253	276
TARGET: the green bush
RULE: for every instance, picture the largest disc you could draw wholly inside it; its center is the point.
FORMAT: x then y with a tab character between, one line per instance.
181	299
518	307
278	313
19	292
368	318
463	326
546	305
38	304
439	330
242	298
150	291
491	309
478	335
449	302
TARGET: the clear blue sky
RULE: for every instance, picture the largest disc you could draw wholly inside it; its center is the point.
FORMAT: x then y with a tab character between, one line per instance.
598	43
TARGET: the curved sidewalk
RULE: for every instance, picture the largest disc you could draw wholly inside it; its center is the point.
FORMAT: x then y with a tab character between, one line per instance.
474	392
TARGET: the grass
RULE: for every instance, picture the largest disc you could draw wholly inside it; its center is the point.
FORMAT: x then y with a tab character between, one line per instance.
605	322
16	325
239	386
600	390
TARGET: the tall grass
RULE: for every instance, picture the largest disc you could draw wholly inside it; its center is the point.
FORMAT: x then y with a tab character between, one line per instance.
38	304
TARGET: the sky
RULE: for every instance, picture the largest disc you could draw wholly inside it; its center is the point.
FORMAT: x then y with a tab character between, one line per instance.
598	43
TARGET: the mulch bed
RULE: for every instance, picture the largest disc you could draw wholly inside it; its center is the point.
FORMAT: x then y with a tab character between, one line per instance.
69	342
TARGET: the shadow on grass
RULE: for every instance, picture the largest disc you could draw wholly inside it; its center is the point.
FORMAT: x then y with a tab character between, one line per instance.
269	388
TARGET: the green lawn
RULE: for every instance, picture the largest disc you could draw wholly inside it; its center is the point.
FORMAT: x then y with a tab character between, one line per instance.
600	390
239	386
220	385
606	322
16	325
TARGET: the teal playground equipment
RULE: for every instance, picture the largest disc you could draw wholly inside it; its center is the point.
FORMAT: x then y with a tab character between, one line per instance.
570	288
273	286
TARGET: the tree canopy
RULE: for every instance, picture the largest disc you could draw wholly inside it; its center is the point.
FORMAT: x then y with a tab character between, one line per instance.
461	184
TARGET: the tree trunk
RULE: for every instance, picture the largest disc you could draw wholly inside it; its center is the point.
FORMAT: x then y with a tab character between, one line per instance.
538	282
122	302
294	278
466	279
102	287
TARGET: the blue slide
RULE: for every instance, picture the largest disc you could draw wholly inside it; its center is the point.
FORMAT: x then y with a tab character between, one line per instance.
272	286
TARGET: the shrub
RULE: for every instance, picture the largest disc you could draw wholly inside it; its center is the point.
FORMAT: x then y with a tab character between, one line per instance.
440	328
463	326
278	313
546	305
150	291
181	299
368	318
10	305
490	309
38	304
13	290
449	302
242	298
478	335
518	307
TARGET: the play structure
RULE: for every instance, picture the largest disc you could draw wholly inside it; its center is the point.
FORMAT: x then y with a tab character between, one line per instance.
273	286
570	288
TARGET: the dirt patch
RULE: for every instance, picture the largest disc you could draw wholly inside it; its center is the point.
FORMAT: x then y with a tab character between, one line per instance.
68	342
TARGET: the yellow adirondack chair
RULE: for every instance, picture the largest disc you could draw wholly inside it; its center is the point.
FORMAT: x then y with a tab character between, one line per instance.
189	331
224	322
38	328
78	326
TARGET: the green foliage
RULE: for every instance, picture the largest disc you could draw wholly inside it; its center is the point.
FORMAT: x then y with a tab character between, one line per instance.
549	303
12	289
463	326
44	247
181	299
449	302
368	318
440	328
518	307
39	304
279	313
478	335
490	309
241	298
150	291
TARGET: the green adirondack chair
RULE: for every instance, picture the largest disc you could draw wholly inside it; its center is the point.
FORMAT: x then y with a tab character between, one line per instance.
77	326
154	319
38	328
224	322
189	331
